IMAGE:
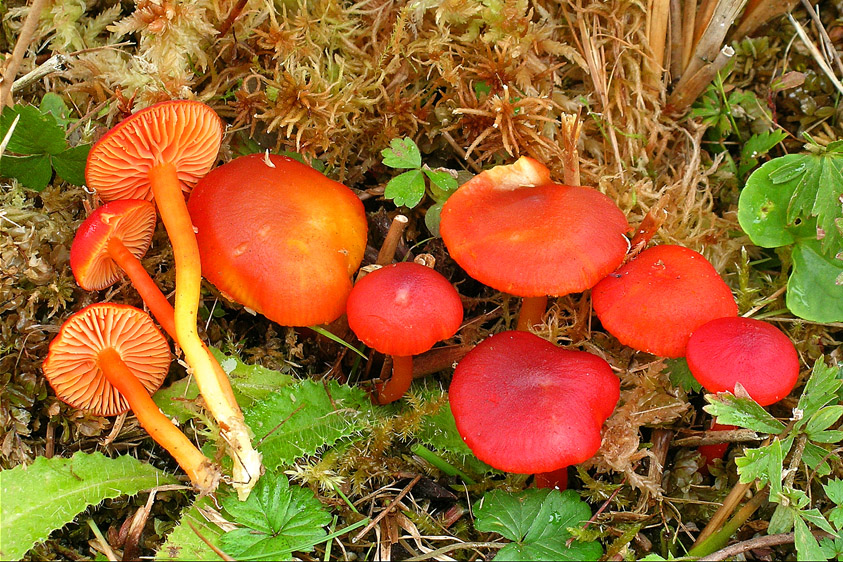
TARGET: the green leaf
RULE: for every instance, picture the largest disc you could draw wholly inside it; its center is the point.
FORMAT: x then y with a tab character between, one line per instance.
442	184
821	421
278	519
821	389
765	464
807	547
402	153
537	522
758	145
813	455
250	384
70	164
763	204
406	189
183	544
812	290
439	431
816	518
743	412
782	520
432	218
49	493
33	172
54	104
834	490
35	132
299	419
680	375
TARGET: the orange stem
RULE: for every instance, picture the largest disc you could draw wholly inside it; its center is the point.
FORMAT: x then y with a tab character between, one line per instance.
216	390
532	310
202	472
143	283
402	378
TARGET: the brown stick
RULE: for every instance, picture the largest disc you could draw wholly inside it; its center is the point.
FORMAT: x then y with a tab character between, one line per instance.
687	90
717	437
383	513
570	127
724	14
760	542
729	504
27	31
689	18
657	38
675	39
393	237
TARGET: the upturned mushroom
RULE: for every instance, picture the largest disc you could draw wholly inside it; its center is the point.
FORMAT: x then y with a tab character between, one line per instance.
654	302
516	231
279	237
108	358
159	153
758	356
402	310
113	239
524	405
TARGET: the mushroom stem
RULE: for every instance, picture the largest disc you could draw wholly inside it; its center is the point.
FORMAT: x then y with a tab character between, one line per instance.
402	377
532	310
202	472
216	391
143	283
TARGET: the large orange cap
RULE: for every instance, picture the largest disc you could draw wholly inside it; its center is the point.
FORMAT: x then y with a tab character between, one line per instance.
279	237
523	405
513	229
132	221
656	301
72	362
404	309
186	134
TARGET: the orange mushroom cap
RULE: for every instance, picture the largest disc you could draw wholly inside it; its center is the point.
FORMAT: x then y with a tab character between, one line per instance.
279	237
132	221
184	133
72	368
513	229
403	309
656	301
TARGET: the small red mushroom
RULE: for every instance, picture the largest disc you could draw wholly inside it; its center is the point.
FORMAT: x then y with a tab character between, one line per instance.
523	405
108	358
654	302
402	310
516	231
728	351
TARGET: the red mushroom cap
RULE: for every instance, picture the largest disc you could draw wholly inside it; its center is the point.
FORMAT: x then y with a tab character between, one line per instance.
524	405
403	309
132	221
72	366
279	237
513	229
184	133
656	301
760	357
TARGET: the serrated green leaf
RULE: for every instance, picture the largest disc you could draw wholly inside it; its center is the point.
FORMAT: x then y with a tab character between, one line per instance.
70	164
743	412
813	455
299	419
537	522
49	493
35	132
442	184
680	375
807	547
406	189
756	146
782	520
834	490
764	463
402	153
183	544
250	384
432	218
54	104
278	520
816	518
820	390
823	419
812	289
33	172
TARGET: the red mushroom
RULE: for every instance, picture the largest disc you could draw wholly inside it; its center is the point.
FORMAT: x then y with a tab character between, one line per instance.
516	231
279	237
160	152
114	238
402	310
654	302
523	405
108	358
728	351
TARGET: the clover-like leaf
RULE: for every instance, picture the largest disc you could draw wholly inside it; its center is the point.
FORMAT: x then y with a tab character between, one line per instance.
764	464
35	133
402	153
680	375
278	519
537	521
406	189
821	389
743	412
